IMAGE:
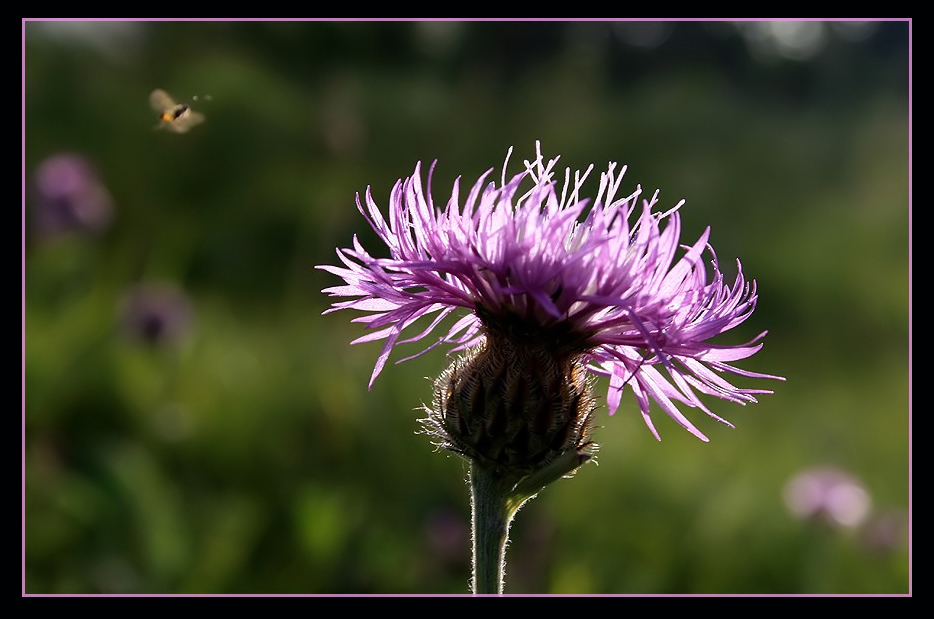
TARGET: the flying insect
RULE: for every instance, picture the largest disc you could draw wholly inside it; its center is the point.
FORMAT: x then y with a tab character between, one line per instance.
175	117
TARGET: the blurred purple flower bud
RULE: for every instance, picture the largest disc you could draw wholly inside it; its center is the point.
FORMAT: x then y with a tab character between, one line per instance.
886	531
448	535
156	314
829	495
69	196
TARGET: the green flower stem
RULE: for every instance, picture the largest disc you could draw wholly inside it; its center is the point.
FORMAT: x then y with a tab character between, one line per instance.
491	515
494	500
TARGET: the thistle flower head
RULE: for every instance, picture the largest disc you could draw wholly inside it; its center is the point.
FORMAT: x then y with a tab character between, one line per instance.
601	286
69	196
157	314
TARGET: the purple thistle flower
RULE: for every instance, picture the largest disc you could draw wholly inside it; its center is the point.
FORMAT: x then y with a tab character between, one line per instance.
547	265
70	196
156	313
828	494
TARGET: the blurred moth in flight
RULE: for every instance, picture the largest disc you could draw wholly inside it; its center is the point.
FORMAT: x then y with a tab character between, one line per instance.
176	117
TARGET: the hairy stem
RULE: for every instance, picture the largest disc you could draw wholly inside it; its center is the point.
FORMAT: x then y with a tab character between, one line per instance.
491	515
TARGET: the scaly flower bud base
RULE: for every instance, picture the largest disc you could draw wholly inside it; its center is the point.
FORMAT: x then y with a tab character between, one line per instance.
515	407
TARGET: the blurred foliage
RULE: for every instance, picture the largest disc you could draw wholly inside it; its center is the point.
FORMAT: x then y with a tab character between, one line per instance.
246	455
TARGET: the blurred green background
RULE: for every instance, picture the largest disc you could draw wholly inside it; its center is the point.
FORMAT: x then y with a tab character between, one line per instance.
225	441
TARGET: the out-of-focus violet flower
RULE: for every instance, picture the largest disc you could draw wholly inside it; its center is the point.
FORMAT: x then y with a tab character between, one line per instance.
447	535
828	494
68	195
886	531
156	313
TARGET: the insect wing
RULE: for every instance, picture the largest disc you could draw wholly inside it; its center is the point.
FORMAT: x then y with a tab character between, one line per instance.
161	101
